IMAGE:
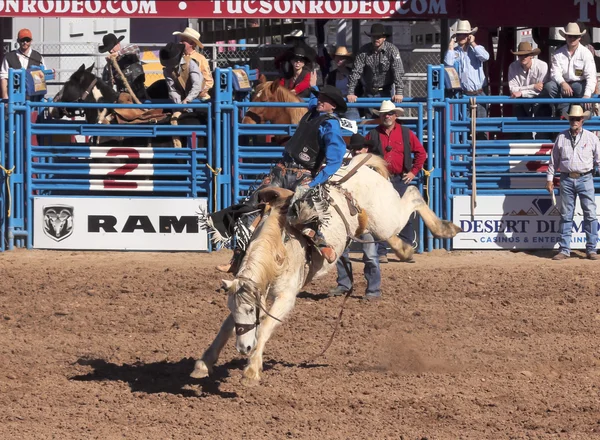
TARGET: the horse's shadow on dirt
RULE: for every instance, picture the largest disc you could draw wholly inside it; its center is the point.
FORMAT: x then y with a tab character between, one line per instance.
161	377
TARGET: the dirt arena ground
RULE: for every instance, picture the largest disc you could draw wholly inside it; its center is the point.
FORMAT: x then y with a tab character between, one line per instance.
464	345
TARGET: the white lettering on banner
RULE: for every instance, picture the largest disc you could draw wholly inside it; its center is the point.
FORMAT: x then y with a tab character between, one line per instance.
583	9
333	7
118	223
512	222
129	7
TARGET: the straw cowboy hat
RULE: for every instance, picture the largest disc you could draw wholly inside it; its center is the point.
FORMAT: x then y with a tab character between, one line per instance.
378	31
389	106
191	34
571	29
525	48
335	95
170	55
108	42
464	27
576	111
342	51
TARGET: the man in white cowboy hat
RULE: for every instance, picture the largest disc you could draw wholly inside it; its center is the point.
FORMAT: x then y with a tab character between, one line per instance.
184	79
467	57
128	60
340	76
526	78
379	66
573	71
398	144
575	154
191	39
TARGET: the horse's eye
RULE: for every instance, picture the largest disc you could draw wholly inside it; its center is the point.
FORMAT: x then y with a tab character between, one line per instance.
251	311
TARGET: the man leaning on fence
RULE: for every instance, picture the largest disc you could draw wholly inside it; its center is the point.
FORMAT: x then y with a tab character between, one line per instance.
379	66
190	38
127	59
467	58
526	79
573	71
575	154
22	58
184	79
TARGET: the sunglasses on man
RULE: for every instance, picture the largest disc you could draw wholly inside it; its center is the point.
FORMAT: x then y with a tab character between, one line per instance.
25	40
576	118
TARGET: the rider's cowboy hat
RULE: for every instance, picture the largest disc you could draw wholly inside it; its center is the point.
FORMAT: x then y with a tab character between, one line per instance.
378	31
108	42
335	95
342	52
576	111
358	142
389	106
190	34
525	48
571	29
170	55
464	27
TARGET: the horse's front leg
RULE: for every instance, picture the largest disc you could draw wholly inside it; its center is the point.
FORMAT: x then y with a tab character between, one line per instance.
282	305
204	366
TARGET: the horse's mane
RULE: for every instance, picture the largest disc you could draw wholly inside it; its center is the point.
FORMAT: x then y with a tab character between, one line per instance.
266	252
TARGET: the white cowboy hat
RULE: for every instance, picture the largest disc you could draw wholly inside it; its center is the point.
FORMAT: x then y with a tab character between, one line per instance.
296	33
342	51
571	29
388	106
576	111
192	34
464	27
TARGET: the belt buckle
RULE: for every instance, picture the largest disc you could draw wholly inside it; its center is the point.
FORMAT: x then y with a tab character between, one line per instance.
574	175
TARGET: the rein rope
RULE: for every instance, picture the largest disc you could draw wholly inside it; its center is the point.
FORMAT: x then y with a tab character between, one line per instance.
8	174
89	89
113	59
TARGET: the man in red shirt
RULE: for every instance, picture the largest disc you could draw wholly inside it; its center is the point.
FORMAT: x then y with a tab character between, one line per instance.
399	145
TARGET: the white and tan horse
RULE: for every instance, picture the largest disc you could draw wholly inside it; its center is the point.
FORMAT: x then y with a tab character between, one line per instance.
279	262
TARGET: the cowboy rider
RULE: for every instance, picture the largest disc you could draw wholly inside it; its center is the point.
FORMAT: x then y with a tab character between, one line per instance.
128	60
317	141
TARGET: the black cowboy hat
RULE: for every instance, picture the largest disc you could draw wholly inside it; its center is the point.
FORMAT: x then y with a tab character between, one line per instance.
170	55
109	41
378	30
299	52
335	95
358	142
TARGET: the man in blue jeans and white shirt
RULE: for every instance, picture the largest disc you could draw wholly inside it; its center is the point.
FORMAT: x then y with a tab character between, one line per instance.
575	153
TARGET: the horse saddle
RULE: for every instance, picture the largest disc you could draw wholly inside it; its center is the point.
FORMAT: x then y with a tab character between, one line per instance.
140	116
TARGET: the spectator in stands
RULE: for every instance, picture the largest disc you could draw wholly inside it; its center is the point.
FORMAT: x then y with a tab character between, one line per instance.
22	58
467	58
526	78
398	144
340	76
299	83
283	62
190	38
128	60
359	145
575	154
184	80
573	71
379	66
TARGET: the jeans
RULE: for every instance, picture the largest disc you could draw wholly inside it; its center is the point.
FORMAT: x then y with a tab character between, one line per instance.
554	90
569	189
372	271
407	234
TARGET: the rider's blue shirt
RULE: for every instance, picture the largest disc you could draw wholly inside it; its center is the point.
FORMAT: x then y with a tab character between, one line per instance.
330	134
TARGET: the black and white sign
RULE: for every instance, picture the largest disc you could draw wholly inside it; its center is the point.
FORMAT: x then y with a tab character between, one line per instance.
100	223
513	222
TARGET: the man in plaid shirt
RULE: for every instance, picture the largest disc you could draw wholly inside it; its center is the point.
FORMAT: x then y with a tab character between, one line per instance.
380	66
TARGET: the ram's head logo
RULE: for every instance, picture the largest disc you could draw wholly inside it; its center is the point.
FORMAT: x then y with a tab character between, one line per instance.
58	221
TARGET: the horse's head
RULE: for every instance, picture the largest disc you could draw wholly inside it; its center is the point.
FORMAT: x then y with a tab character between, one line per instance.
83	86
272	91
245	304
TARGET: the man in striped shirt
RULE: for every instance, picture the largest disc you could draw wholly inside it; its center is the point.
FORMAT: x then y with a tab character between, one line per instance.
575	153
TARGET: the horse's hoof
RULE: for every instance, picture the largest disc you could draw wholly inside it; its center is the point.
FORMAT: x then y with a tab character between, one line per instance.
249	382
201	370
250	377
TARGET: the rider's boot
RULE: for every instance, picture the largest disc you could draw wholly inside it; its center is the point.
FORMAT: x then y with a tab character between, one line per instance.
234	264
326	251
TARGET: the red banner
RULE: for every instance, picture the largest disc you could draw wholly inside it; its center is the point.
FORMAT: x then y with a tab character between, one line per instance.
216	9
